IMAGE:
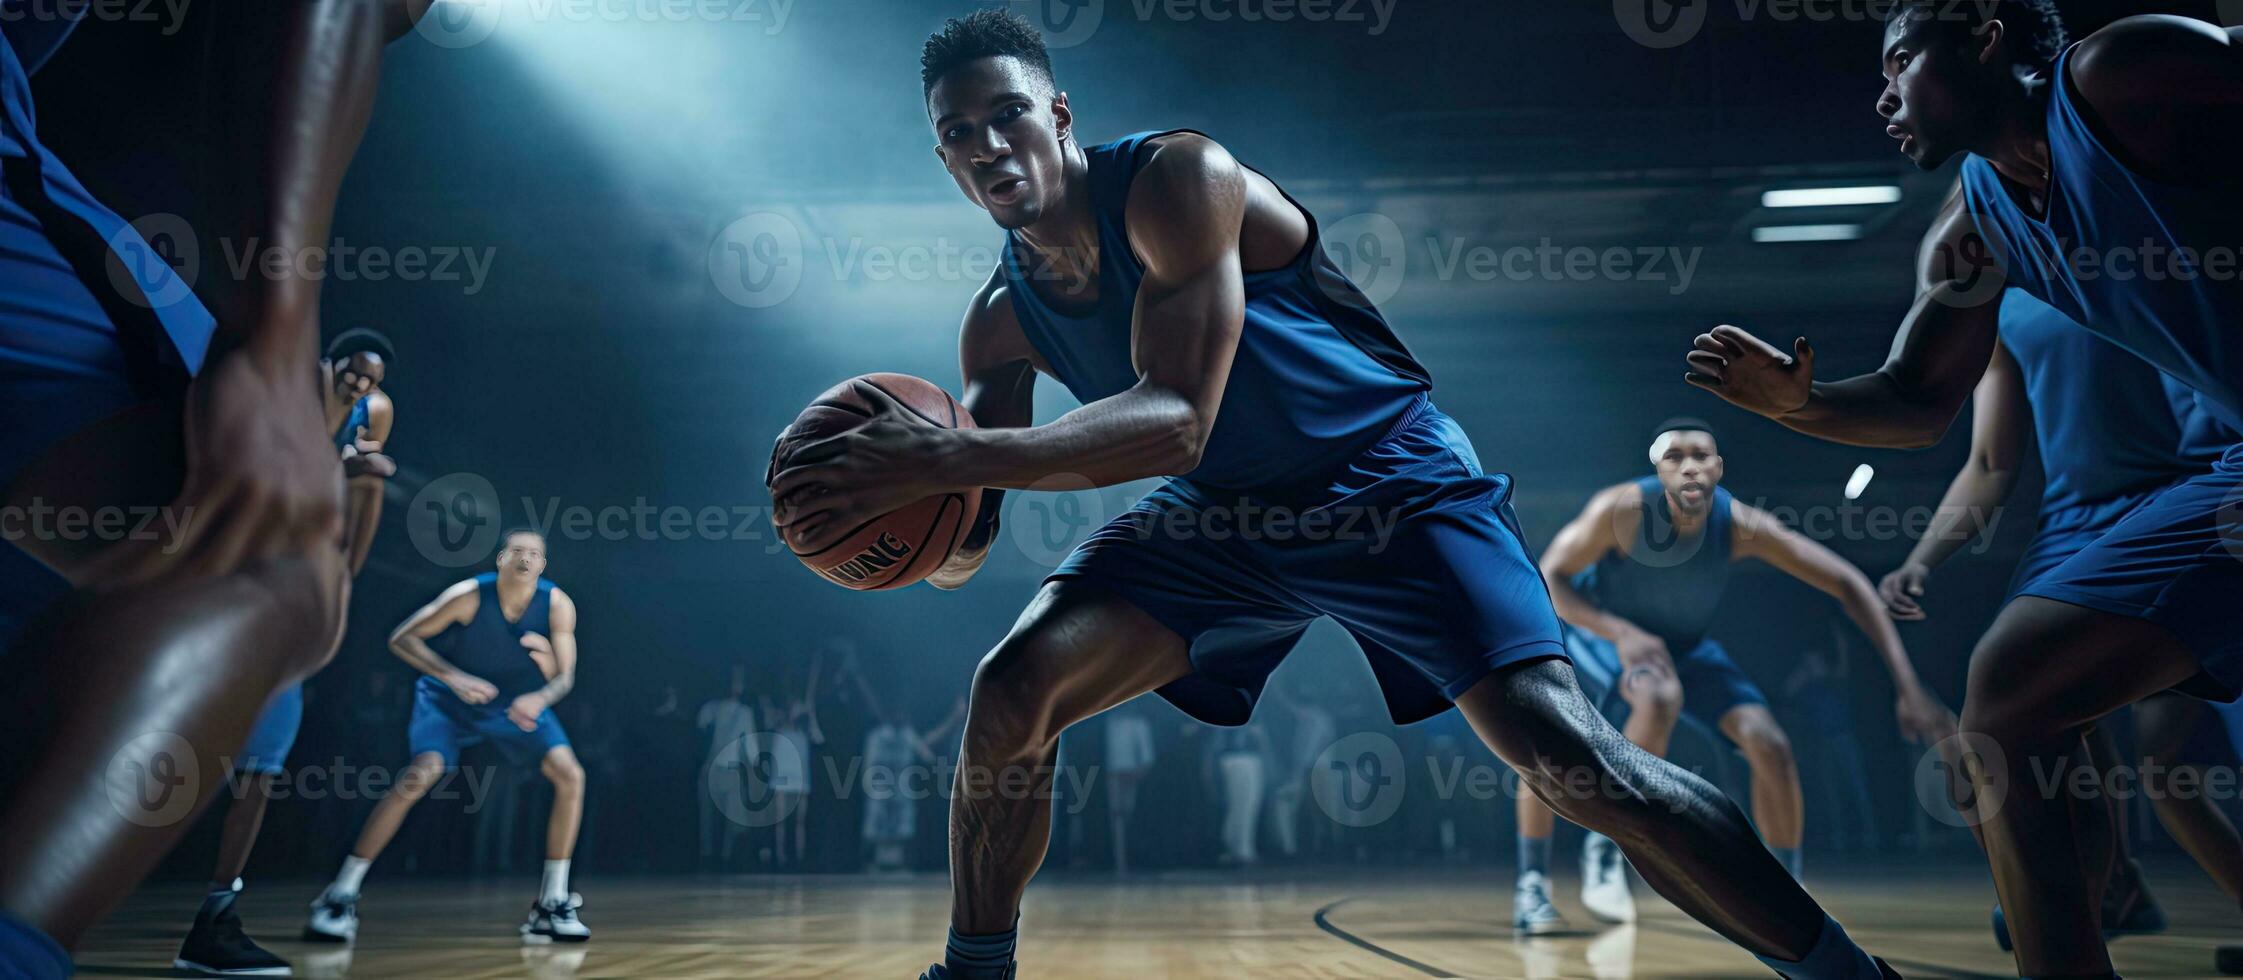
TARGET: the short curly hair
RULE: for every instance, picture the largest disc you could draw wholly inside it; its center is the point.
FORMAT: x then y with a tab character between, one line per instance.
987	33
2034	28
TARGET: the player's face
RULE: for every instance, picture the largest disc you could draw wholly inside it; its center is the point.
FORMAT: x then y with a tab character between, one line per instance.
1000	130
1938	88
359	374
523	556
1689	467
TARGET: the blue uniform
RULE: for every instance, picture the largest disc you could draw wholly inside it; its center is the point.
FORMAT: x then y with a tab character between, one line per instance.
2112	431
2174	559
490	647
1670	586
1330	486
91	324
275	731
92	321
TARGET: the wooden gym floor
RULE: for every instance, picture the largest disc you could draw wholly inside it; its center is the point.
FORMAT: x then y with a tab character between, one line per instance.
1930	921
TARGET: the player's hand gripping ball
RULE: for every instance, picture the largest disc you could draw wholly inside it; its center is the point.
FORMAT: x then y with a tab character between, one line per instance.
883	551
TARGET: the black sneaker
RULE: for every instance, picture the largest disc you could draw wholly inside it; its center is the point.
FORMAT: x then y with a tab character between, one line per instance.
217	947
555	922
941	972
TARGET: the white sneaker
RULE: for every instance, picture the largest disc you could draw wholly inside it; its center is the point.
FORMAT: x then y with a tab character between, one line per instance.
1532	912
555	922
334	919
1604	881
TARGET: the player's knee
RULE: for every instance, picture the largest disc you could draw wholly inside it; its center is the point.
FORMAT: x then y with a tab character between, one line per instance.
565	773
1766	746
1659	697
426	770
1010	716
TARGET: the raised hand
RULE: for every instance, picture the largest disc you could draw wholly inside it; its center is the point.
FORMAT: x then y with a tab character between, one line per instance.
1752	374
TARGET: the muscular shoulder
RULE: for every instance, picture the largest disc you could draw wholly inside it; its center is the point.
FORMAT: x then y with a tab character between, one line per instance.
2136	73
1188	198
2115	57
562	609
990	335
1619	507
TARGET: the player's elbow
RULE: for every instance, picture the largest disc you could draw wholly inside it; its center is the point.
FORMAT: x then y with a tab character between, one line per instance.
1184	441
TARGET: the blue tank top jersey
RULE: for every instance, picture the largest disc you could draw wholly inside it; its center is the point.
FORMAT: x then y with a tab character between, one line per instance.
2142	291
347	435
43	207
1665	583
1318	376
2108	425
491	648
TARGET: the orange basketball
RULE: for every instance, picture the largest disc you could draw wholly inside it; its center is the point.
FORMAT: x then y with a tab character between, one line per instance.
905	545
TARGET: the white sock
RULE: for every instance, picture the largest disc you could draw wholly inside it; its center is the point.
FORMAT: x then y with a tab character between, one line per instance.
556	885
352	875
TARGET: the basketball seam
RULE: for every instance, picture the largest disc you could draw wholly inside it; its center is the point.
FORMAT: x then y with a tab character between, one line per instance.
907	405
948	500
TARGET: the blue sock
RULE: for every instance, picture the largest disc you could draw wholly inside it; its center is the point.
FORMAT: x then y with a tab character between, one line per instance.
28	953
1834	957
1793	860
977	957
1534	855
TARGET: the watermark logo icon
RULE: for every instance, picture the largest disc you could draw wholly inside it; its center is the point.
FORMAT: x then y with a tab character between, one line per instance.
1054	516
1358	781
1064	23
740	779
454	520
1368	251
153	781
153	262
458	23
1661	23
1945	789
756	261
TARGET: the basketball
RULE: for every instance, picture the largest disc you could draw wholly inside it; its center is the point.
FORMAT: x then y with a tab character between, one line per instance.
905	545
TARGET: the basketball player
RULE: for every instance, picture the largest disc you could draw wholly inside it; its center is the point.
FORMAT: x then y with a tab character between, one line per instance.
1637	577
2117	151
356	364
1187	303
2112	433
120	389
508	642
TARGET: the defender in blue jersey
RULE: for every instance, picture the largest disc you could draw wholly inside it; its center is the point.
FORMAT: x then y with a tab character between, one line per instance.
2101	180
361	416
1637	577
1187	302
496	652
2108	444
121	389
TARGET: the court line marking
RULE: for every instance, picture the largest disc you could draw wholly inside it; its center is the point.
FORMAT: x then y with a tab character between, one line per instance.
1324	923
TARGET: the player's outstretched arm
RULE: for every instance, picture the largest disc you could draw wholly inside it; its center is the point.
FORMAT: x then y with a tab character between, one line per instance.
1923	718
1936	359
999	365
455	607
2000	418
560	645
